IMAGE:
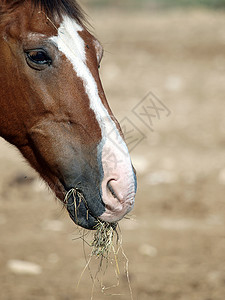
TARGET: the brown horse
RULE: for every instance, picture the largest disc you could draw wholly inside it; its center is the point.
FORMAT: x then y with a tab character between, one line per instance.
54	110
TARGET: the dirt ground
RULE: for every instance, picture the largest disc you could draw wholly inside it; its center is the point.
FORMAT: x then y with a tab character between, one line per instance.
175	239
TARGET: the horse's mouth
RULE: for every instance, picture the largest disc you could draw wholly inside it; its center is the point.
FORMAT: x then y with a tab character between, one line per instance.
78	209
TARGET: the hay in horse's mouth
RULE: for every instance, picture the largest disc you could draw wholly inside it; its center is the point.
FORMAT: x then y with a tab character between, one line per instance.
104	231
103	238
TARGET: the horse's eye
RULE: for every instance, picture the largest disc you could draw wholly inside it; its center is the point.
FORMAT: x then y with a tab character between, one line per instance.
38	59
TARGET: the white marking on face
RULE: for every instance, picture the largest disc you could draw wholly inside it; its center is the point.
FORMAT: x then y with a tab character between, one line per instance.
34	36
70	43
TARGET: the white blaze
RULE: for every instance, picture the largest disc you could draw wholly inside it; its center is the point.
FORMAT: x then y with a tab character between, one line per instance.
70	43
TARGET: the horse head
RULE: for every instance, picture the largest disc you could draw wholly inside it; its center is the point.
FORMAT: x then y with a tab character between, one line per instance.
54	110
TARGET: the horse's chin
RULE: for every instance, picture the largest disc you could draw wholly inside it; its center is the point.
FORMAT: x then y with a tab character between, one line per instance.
78	210
79	213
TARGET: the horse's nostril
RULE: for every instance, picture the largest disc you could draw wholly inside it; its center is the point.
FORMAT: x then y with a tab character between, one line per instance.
110	188
114	188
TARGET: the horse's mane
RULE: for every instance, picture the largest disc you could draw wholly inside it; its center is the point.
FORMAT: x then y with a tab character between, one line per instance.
68	7
52	7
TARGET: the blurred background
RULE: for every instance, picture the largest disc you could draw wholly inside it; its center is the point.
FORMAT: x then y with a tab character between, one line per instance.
164	76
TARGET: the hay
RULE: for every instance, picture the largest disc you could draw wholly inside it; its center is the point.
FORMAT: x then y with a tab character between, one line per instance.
106	247
102	243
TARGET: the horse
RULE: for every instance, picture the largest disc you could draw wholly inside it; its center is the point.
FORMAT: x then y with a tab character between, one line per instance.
54	109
